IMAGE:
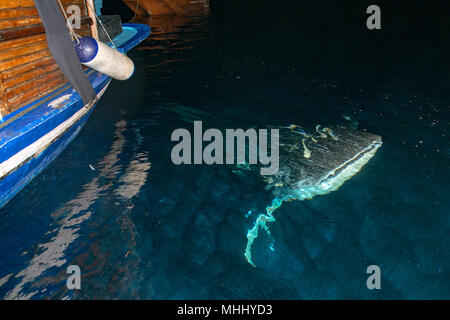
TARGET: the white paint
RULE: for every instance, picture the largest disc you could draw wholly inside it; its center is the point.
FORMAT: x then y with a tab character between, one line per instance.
57	102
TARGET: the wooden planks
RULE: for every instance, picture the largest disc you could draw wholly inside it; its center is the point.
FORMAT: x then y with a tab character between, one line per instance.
5	45
20	18
27	69
10	54
23	30
18	4
19	22
17	13
35	88
23	59
13	4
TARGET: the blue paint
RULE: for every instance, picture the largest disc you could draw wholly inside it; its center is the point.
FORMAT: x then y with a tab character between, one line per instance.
133	33
40	117
98	6
14	182
86	48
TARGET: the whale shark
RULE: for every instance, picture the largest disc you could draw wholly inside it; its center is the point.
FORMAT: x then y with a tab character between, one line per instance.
311	164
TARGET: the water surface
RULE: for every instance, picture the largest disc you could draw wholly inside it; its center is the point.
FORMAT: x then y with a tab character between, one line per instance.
140	227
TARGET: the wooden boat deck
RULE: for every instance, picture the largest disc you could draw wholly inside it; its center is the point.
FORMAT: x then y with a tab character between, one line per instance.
27	69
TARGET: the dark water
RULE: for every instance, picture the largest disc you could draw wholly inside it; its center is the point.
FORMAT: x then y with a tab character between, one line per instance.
140	227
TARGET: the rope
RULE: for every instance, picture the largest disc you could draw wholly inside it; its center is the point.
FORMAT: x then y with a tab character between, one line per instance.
135	11
69	25
101	24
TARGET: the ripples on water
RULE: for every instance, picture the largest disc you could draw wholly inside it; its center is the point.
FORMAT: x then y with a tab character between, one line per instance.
140	227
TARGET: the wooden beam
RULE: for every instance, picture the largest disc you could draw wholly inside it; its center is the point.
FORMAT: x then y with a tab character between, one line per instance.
91	12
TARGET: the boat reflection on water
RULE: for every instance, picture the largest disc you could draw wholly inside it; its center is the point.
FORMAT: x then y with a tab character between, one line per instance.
72	216
168	27
171	49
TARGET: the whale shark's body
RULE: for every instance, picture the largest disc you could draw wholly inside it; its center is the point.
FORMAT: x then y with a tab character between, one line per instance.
313	164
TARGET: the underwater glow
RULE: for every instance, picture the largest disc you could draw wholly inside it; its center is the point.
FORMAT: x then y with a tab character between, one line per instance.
331	182
261	221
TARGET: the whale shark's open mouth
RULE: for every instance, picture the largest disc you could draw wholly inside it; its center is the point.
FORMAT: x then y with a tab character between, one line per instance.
314	164
333	179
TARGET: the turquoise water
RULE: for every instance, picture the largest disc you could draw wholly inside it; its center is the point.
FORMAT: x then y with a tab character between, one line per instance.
140	227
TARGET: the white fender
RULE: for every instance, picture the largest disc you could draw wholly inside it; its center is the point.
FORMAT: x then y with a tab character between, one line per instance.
102	58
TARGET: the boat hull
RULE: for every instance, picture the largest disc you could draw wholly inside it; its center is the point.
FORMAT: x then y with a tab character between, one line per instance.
20	177
33	136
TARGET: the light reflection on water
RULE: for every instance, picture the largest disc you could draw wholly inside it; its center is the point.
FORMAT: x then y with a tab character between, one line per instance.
70	217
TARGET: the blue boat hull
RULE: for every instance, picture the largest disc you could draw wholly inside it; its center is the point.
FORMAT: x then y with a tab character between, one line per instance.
32	137
14	182
19	178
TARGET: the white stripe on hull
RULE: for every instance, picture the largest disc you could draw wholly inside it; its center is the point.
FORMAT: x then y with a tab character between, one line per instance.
42	143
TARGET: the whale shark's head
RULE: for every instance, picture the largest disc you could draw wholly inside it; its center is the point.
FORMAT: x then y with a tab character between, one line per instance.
315	164
311	165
